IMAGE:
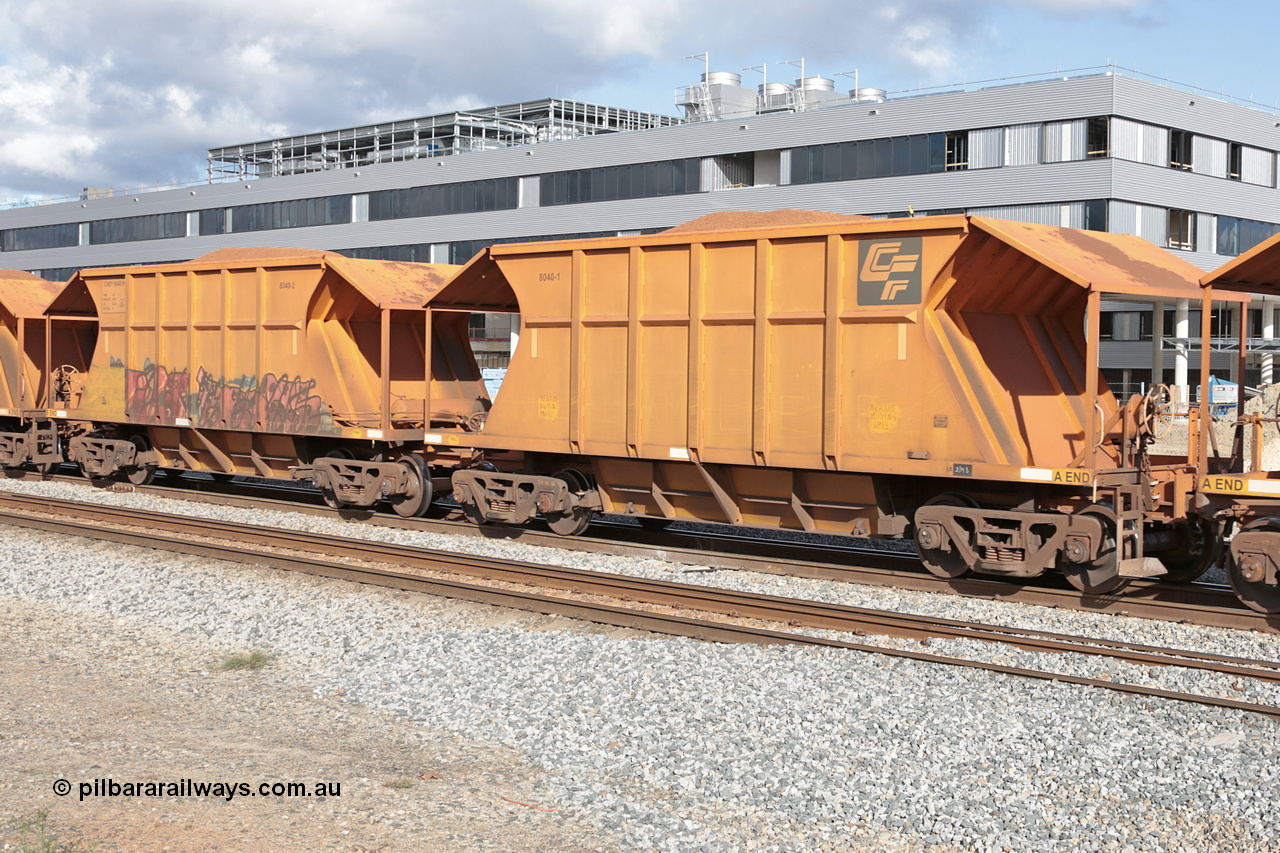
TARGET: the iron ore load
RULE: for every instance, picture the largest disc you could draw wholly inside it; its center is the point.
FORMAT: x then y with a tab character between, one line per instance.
930	378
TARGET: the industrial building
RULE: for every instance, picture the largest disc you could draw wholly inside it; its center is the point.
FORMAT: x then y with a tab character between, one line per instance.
1105	150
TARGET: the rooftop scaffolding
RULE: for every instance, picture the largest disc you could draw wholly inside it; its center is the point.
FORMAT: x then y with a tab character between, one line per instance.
526	123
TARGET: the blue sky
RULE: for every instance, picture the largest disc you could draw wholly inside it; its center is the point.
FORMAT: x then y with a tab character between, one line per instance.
114	94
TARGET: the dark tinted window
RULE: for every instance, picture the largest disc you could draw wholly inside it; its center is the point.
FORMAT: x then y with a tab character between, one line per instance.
296	213
633	180
40	237
417	253
156	227
213	221
1236	236
869	158
442	199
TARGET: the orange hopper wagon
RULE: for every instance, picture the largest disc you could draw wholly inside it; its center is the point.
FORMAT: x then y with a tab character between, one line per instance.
934	377
274	363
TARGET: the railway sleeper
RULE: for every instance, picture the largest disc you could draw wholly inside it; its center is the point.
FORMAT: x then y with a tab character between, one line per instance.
355	482
36	446
493	496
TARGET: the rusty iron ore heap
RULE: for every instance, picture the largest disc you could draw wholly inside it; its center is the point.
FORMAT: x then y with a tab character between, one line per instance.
934	378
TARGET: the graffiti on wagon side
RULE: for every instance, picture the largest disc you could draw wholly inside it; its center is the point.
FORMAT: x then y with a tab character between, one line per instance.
270	403
155	391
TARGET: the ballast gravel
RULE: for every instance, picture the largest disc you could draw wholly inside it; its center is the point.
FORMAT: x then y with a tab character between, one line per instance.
677	745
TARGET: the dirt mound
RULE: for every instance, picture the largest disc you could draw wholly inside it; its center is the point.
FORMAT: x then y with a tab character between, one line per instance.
262	253
18	275
741	220
1264	403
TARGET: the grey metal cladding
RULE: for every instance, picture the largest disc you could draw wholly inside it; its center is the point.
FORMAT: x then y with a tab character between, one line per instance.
1160	185
1153	224
1155	145
1209	156
1024	144
1122	217
1166	107
1059	182
1126	139
1258	167
1040	214
986	148
1207	234
1137	355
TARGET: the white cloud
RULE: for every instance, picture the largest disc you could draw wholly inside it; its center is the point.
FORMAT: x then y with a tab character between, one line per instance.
118	92
1074	7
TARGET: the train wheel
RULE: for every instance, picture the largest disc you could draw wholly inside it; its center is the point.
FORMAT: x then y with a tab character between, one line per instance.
1246	574
1199	548
1101	574
48	469
942	562
417	497
141	475
576	520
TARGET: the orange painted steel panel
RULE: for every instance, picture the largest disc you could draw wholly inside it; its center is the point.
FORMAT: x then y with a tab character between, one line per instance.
1255	271
266	340
900	346
23	299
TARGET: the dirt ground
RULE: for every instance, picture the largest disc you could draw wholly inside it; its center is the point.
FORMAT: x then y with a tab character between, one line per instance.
84	699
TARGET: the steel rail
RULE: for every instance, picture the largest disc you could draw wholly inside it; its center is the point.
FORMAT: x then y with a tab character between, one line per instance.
1198	604
744	605
806	613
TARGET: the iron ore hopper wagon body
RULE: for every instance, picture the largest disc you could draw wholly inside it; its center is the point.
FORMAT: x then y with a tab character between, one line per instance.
934	378
931	378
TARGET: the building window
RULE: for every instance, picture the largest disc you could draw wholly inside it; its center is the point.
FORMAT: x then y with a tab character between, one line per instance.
464	250
1235	160
957	151
298	213
213	221
734	170
131	228
1098	138
1120	326
1236	236
1182	230
869	158
1180	149
40	237
1095	215
634	180
1220	323
416	253
444	199
60	274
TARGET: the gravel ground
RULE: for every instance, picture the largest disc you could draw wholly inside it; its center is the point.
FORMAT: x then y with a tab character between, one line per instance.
677	745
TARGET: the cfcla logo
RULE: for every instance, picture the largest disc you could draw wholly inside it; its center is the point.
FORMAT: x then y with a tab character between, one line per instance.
889	272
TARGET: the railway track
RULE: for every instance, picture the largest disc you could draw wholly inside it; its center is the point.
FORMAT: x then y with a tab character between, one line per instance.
608	599
1212	605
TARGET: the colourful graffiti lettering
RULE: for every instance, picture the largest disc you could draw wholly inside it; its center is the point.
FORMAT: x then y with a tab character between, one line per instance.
274	404
154	392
